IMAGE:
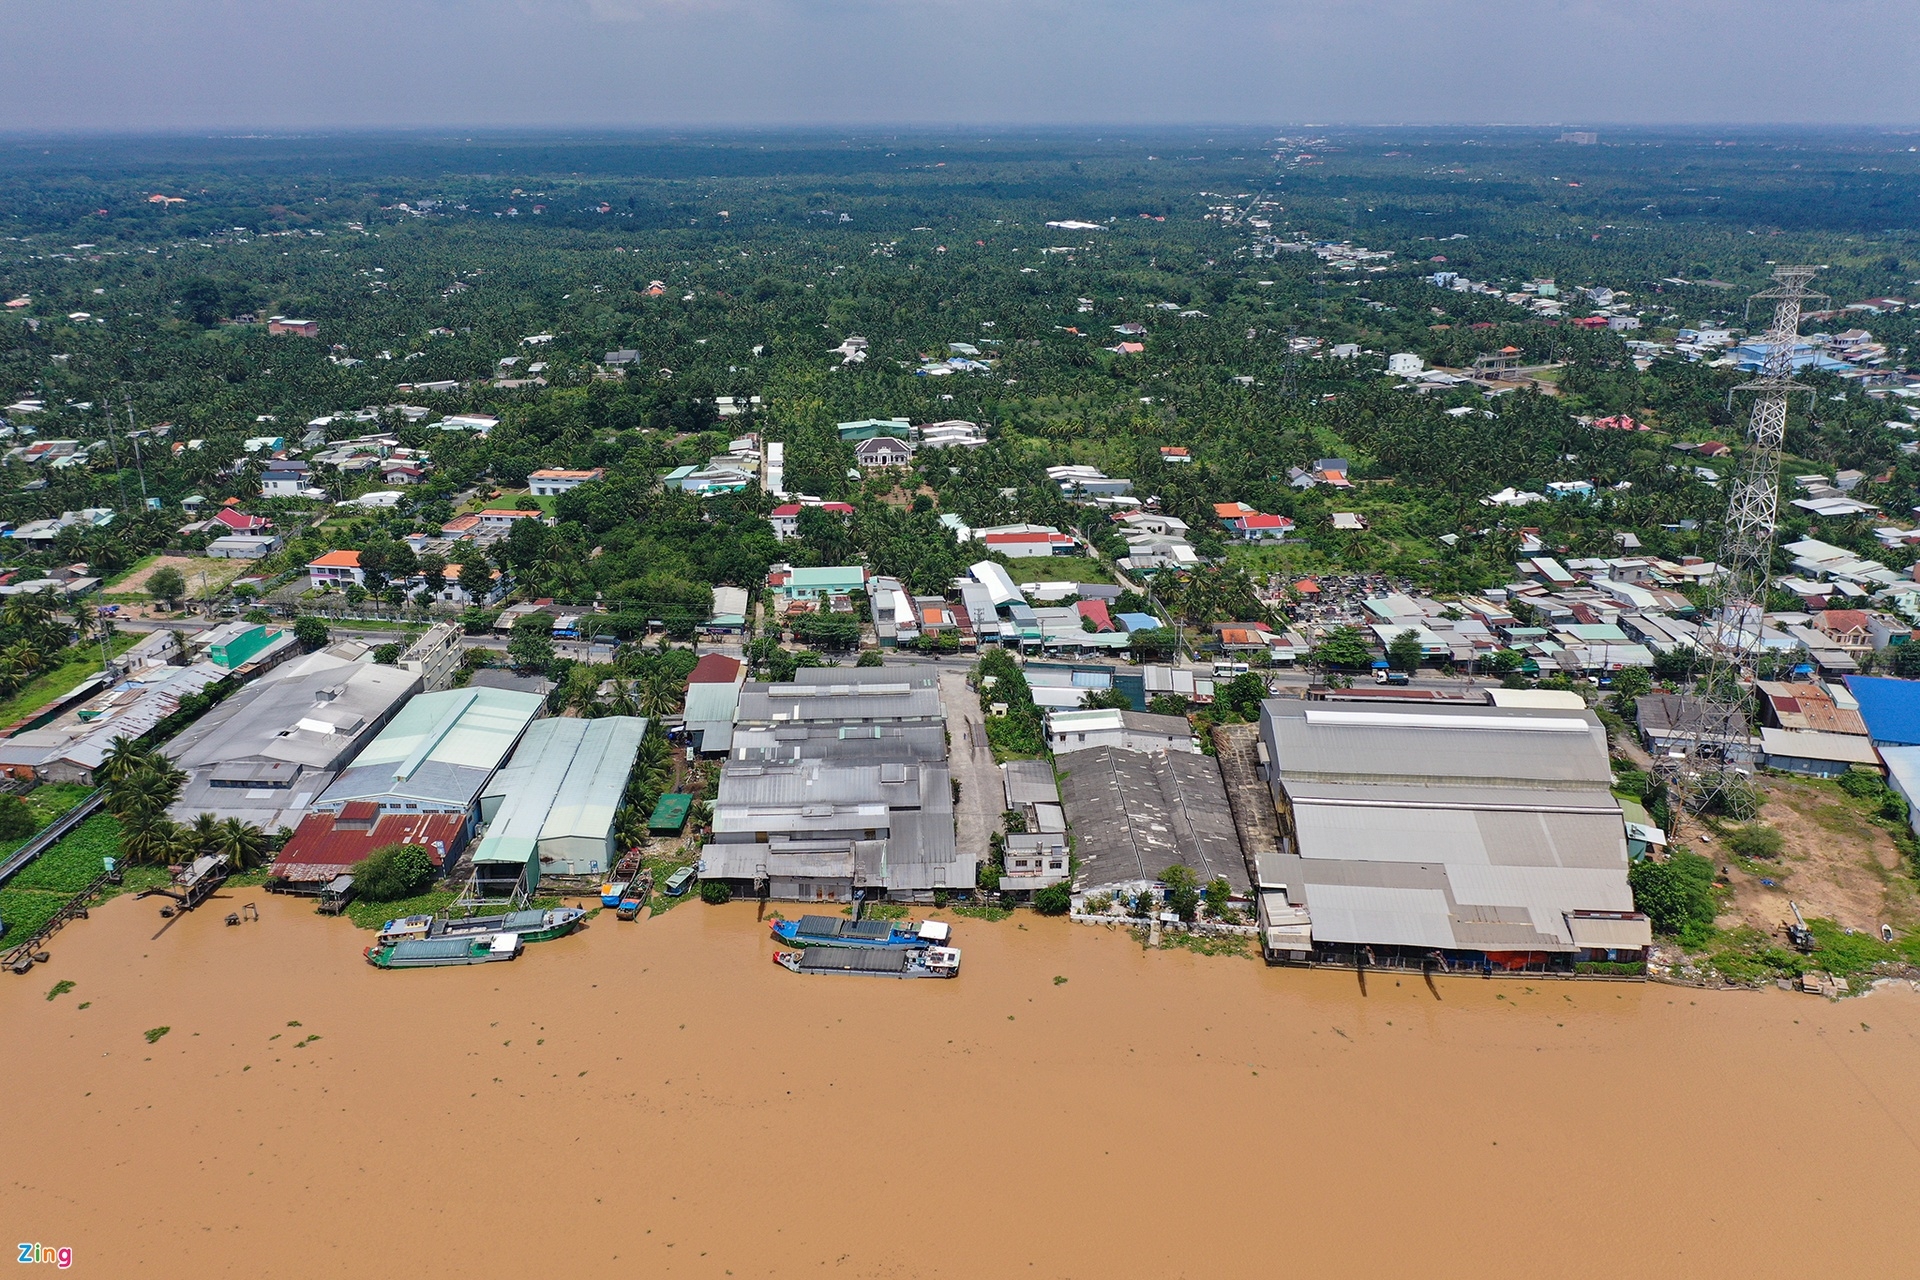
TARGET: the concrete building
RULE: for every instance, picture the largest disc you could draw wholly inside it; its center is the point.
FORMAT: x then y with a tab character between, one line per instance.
436	755
551	482
268	751
551	810
1481	836
336	569
435	657
241	546
1135	815
1070	731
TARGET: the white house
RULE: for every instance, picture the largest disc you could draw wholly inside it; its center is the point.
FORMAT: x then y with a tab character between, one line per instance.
1404	364
883	451
1069	731
336	569
284	480
549	482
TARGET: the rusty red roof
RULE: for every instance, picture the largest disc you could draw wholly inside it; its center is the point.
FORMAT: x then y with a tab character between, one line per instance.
318	851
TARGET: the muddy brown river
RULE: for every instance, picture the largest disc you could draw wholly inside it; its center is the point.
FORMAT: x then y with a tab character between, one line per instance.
658	1099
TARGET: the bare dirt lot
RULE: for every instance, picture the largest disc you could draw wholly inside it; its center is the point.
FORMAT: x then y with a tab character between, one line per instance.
206	577
1835	864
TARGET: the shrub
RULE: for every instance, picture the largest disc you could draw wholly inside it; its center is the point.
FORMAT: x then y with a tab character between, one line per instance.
1861	786
393	872
1676	895
16	819
1183	891
715	892
1755	841
1054	900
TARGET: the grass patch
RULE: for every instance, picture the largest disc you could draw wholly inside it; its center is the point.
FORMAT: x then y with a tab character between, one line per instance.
663	866
118	578
982	911
886	911
47	803
62	680
1845	955
1209	944
153	1034
1059	569
371	915
60	988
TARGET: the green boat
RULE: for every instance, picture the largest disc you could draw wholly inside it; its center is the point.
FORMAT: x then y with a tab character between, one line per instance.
434	953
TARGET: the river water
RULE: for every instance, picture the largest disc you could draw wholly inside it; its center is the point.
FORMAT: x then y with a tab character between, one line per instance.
658	1099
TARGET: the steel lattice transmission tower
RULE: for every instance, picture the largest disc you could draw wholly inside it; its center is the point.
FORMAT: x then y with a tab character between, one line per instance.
1700	766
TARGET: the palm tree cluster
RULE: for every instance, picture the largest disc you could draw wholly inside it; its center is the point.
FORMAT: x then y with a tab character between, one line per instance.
33	637
141	786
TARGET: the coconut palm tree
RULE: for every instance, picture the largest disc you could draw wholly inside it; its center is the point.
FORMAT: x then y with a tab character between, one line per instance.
125	756
205	832
85	617
28	611
623	703
244	844
23	656
659	693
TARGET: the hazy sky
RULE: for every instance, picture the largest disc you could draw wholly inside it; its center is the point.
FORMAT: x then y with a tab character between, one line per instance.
163	64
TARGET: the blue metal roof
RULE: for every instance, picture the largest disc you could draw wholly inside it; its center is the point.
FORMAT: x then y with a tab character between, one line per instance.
1891	708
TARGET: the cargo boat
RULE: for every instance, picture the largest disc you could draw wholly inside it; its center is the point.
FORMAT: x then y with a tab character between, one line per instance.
837	931
874	962
434	953
529	926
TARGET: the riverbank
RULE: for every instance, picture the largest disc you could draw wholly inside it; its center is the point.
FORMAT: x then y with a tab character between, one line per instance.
659	1099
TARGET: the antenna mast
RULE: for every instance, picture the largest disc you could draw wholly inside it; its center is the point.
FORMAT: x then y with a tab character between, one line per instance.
1712	731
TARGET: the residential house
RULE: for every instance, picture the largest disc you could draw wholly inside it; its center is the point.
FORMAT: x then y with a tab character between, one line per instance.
785	518
499	521
953	434
242	546
402	473
336	569
1025	544
285	479
284	326
551	482
883	451
1849	630
816	584
1175	453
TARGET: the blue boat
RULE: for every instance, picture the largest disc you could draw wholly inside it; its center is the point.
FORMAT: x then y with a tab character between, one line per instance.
816	931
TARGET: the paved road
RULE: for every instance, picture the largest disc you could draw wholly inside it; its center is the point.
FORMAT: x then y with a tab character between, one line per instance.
981	794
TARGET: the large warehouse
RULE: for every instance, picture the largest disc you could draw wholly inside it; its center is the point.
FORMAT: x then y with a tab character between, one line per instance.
264	754
1477	835
551	810
437	754
1138	813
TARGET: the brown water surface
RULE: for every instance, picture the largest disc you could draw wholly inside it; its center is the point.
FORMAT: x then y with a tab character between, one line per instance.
657	1099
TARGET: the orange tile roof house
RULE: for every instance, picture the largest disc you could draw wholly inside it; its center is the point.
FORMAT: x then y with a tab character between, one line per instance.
550	482
500	519
336	569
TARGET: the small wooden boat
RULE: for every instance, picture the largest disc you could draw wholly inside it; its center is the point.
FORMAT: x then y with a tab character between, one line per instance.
611	892
434	953
816	931
873	962
678	882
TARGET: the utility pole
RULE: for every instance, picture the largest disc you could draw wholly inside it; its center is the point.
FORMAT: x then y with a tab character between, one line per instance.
1700	767
134	436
